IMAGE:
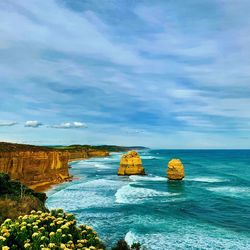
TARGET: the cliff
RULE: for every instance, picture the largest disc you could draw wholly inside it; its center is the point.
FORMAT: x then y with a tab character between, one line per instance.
175	170
34	166
39	167
80	154
131	164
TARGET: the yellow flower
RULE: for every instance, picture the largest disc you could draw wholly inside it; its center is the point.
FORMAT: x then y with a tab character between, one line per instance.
26	245
43	238
51	245
52	234
64	227
7	221
35	234
59	230
4	230
2	238
23	228
5	248
6	235
62	246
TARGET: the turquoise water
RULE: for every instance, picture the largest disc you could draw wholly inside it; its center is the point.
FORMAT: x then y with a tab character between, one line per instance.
209	209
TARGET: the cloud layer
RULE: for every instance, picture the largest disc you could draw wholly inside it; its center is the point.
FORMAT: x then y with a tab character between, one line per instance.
33	124
68	125
172	69
7	123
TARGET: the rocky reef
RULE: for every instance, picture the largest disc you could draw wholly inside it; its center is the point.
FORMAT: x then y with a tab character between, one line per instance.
175	170
131	164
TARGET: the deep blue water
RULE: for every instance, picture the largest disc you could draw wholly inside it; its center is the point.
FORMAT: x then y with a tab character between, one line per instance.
209	209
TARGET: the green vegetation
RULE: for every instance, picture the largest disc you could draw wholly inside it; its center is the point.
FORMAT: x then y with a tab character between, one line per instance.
16	199
123	245
109	148
54	230
14	147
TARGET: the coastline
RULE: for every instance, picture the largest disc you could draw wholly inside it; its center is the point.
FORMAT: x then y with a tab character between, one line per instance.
45	186
41	167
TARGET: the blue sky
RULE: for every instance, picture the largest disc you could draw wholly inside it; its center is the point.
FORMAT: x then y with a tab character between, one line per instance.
164	74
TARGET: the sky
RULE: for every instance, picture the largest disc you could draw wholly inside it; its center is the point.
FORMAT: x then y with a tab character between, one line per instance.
162	74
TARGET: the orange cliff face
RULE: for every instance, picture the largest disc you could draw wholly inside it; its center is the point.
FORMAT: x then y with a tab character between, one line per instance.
85	154
175	170
36	168
131	164
40	167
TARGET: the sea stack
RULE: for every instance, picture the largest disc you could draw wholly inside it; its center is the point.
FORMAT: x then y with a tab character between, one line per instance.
175	170
131	164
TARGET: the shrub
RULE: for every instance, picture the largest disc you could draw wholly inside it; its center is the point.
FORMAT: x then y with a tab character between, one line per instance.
54	230
121	245
136	246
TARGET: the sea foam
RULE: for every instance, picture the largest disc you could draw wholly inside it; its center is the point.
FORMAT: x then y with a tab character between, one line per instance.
85	195
133	195
146	178
231	191
206	179
187	240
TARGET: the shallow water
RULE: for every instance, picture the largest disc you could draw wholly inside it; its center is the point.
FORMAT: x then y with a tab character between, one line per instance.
210	209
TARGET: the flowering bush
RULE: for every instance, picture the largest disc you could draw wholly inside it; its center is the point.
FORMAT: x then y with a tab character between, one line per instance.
54	230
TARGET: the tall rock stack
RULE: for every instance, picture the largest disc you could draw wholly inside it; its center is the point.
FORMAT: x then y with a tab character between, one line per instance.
131	164
175	170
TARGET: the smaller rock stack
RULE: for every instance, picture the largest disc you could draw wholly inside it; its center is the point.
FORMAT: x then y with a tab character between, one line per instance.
131	164
175	170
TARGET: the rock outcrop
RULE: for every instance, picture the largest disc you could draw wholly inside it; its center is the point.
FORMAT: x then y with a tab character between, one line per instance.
36	168
131	164
40	167
175	170
82	154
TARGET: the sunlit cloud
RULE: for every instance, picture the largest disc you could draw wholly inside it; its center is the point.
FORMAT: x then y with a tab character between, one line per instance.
70	125
7	123
33	124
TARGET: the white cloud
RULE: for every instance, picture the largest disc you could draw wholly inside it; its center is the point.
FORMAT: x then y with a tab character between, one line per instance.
7	123
33	124
68	125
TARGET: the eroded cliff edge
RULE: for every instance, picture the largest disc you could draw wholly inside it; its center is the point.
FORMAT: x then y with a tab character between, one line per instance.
39	167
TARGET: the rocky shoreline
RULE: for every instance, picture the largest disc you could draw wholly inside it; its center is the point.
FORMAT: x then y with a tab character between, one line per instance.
41	167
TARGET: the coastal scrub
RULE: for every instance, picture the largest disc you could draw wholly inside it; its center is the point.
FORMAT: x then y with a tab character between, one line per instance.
53	230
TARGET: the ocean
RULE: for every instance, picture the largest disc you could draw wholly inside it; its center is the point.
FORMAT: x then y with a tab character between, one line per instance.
209	209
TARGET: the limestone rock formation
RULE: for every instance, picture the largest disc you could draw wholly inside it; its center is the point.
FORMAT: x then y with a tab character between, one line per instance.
40	167
131	164
35	168
175	170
